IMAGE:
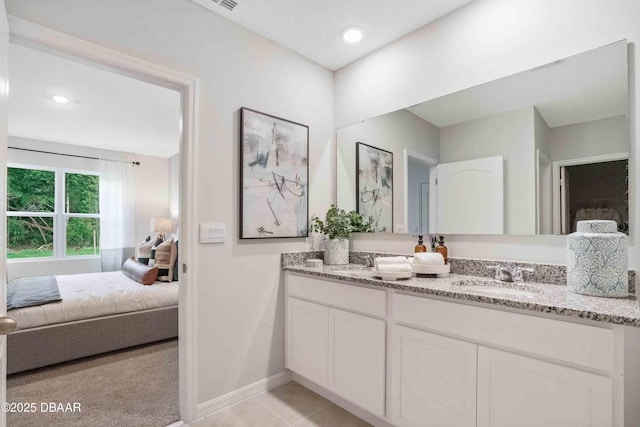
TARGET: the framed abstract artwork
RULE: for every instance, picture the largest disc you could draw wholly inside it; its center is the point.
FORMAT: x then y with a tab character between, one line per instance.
274	174
374	185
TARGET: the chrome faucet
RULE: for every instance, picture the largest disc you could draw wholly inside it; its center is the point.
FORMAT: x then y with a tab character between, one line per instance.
510	272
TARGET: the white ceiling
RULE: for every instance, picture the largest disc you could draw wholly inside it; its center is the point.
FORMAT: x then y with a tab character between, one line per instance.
584	87
107	110
313	28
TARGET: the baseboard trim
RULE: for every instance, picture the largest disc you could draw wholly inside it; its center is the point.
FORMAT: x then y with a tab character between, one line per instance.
244	393
343	403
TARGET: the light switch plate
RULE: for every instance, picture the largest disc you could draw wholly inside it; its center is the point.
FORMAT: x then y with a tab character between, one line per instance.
212	232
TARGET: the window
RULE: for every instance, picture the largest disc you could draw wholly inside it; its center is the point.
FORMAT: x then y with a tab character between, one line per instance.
52	213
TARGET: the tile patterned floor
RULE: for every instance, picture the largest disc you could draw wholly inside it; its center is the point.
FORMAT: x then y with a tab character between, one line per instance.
288	405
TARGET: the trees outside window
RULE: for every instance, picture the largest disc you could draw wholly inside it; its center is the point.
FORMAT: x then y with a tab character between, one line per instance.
52	213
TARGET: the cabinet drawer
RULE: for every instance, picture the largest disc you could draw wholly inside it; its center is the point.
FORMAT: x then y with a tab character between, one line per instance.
349	297
584	345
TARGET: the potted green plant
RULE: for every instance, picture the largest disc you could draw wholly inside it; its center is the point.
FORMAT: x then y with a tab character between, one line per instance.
337	227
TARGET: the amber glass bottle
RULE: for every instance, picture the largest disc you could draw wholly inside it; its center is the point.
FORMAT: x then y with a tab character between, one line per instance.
442	250
420	247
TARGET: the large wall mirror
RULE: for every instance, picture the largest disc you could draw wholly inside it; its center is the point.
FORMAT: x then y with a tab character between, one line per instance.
527	154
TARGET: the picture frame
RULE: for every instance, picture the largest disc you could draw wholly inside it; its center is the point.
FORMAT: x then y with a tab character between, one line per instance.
374	185
274	176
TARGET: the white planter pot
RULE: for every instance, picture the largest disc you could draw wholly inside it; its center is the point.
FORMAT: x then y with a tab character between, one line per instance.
336	251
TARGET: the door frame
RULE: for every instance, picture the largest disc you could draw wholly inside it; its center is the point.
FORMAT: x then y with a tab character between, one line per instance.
35	36
4	109
432	163
557	212
542	158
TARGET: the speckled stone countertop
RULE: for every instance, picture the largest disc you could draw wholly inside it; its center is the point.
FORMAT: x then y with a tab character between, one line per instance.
539	297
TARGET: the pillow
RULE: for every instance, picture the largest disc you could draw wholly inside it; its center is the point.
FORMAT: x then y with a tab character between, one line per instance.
164	257
139	272
144	251
176	267
31	291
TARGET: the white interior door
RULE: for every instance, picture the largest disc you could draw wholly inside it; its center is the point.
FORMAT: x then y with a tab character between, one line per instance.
470	196
6	324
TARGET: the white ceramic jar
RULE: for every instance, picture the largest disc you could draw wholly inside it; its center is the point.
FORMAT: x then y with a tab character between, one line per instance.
597	260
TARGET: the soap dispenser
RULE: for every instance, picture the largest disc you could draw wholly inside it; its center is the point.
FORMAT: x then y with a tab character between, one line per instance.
442	249
420	247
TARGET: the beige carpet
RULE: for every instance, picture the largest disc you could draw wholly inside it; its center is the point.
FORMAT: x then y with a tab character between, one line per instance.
136	387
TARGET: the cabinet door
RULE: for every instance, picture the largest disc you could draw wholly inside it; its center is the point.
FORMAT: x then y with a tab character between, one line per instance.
434	380
307	340
518	390
357	359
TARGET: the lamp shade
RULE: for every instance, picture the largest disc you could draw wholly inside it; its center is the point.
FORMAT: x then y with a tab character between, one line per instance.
162	225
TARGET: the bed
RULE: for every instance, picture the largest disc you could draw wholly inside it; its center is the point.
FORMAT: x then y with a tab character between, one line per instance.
99	312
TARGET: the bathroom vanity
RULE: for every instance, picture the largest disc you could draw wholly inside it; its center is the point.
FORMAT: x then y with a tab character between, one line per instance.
463	350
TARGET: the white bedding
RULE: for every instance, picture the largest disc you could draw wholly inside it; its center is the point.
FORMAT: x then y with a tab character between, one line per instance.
86	296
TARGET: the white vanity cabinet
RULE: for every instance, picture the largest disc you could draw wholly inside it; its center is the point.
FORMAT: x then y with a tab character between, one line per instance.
512	388
357	362
307	334
413	361
434	380
538	393
336	337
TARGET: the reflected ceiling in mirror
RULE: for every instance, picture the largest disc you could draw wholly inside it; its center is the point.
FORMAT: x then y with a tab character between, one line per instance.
530	153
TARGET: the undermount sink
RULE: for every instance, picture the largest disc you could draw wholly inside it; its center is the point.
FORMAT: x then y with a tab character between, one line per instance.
496	287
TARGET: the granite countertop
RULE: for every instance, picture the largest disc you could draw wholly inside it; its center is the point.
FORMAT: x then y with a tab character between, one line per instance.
539	297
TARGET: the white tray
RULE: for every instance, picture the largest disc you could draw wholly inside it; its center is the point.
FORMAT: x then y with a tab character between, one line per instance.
393	276
439	270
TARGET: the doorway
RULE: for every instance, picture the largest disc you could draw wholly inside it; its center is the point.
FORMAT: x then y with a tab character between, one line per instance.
602	183
419	183
31	35
595	191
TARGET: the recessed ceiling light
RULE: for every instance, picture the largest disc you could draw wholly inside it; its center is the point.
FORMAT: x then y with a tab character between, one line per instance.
60	99
352	35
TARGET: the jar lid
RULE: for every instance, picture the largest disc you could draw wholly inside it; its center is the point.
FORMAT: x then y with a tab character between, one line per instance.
597	226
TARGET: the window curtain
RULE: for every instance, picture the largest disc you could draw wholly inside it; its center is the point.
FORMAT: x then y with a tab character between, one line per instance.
116	214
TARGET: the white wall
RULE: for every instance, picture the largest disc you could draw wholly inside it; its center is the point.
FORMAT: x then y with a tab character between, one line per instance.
481	42
510	135
150	188
595	138
392	132
240	336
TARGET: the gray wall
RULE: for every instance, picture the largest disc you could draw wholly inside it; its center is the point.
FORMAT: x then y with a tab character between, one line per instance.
596	138
418	173
509	135
542	135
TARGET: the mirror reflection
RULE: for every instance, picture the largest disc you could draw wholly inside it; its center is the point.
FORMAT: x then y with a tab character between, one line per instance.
530	153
